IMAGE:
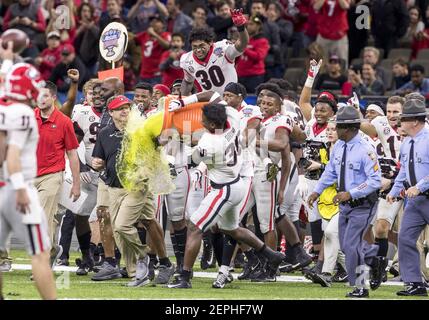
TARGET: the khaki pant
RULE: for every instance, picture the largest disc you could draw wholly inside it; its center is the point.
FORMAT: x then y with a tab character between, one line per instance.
126	209
102	194
49	190
339	47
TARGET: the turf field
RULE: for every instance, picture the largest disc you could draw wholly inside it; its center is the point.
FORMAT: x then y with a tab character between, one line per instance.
17	285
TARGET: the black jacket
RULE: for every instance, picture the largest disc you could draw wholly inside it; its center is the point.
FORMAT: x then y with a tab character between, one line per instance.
389	18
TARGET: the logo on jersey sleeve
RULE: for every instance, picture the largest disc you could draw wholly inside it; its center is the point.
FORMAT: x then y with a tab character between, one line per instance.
218	52
386	131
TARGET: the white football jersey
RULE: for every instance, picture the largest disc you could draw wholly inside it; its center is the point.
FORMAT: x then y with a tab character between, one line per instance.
291	108
267	132
216	71
390	139
87	120
222	152
248	112
313	133
4	110
23	132
376	144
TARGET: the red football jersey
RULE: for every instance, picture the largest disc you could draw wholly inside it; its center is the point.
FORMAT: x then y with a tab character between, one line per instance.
151	54
332	20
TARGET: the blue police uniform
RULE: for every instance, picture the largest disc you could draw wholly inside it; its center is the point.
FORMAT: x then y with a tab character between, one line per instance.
362	178
414	159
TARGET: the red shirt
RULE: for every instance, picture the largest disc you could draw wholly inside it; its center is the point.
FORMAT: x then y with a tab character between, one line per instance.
151	54
332	22
252	61
173	72
51	57
56	137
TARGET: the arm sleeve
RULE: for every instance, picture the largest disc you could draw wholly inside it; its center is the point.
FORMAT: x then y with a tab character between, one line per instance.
18	138
399	183
203	152
40	20
232	53
187	76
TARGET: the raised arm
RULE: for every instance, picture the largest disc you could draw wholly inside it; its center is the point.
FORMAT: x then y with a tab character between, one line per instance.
305	97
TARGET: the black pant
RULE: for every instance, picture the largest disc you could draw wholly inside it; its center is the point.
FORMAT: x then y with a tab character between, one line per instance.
66	233
251	82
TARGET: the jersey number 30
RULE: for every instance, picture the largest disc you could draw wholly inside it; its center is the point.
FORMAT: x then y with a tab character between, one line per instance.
214	77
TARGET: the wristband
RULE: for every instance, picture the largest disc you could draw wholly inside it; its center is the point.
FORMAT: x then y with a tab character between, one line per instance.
191	99
241	28
17	181
309	82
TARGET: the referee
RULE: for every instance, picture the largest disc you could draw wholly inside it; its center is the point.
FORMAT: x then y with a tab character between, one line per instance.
128	208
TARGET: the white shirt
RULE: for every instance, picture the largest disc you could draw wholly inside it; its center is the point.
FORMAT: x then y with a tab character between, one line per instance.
389	138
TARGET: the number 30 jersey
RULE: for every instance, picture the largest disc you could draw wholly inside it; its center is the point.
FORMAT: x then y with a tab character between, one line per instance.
216	71
86	122
221	151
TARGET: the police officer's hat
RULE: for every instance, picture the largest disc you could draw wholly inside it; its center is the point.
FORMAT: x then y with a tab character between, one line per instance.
413	108
348	114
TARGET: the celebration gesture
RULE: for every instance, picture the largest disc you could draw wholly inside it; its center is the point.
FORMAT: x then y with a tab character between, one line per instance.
238	18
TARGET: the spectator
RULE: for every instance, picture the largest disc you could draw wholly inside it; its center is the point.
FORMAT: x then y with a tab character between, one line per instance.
51	56
199	15
67	29
400	73
251	65
222	21
371	55
298	13
170	60
113	13
153	42
421	36
358	36
333	79
273	61
130	79
69	60
389	22
140	14
418	82
177	22
332	25
370	85
87	34
188	6
28	17
416	25
274	14
354	79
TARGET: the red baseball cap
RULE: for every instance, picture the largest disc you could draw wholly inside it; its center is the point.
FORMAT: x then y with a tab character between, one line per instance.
67	49
163	88
118	102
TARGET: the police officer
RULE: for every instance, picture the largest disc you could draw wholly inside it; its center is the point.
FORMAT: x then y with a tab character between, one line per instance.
354	166
414	176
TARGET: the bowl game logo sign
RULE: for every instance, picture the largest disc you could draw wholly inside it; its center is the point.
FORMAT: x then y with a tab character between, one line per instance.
113	42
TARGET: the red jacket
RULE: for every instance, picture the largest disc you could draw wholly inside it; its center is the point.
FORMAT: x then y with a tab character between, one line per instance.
252	61
51	57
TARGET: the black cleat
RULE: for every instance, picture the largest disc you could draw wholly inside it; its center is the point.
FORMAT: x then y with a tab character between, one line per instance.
84	266
341	274
180	283
207	258
413	289
265	276
377	271
358	293
394	271
324	279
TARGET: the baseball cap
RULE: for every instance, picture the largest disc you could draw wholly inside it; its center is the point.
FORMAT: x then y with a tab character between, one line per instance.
163	88
118	102
67	49
53	34
334	58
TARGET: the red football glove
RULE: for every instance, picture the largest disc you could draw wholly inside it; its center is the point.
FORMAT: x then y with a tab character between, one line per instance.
238	17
